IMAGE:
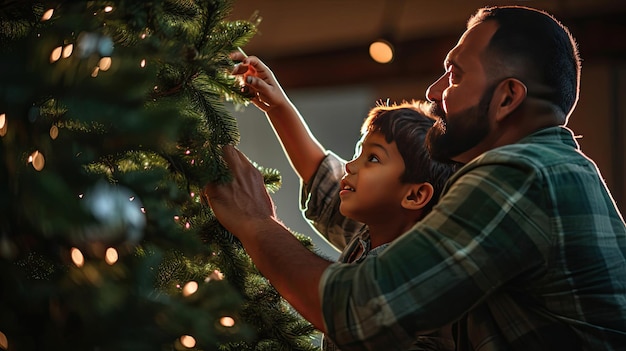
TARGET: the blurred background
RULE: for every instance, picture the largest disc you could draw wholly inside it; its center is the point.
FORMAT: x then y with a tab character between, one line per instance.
319	51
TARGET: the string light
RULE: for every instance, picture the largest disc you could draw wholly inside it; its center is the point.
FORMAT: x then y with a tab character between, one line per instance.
54	132
37	160
108	9
215	275
188	341
67	50
77	257
142	64
111	256
3	124
56	54
227	322
190	288
4	342
47	15
105	63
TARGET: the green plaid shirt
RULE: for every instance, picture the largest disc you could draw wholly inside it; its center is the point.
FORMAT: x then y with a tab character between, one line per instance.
525	251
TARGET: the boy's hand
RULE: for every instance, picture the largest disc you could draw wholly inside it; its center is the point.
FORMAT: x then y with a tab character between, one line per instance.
266	92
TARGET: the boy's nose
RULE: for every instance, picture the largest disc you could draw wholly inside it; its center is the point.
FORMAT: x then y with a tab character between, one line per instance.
351	167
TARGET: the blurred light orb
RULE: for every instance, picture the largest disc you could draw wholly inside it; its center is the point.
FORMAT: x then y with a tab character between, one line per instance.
381	51
227	322
190	288
188	341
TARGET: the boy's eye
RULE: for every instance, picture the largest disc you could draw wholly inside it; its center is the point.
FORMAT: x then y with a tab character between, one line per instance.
373	158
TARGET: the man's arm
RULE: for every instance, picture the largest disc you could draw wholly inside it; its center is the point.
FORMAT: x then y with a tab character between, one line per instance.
245	209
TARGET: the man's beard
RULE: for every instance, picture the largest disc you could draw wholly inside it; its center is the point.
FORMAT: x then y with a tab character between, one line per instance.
452	135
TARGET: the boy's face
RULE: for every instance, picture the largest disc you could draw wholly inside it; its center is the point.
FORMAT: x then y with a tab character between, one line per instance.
371	190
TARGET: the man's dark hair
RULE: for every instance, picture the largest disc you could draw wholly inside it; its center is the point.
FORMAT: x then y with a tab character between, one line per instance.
534	47
407	124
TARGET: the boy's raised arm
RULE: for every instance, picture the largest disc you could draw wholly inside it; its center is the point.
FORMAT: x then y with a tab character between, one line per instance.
305	153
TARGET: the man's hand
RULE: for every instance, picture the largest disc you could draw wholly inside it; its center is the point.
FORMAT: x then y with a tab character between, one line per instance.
244	201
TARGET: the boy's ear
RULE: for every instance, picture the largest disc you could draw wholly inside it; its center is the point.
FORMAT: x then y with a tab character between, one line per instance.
418	196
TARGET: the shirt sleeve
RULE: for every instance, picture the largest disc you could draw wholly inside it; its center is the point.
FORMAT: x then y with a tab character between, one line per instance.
319	202
483	232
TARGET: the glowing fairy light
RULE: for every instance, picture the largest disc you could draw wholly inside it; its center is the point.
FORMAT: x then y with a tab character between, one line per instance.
80	196
67	50
176	218
142	64
143	210
227	322
3	124
190	288
187	225
37	160
188	341
4	342
105	63
193	194
215	275
77	257
56	54
111	256
132	198
108	9
187	152
54	132
47	15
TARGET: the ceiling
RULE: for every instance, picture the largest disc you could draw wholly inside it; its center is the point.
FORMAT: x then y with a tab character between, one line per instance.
325	42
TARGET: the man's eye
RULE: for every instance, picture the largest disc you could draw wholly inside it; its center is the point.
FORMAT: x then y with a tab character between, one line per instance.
453	77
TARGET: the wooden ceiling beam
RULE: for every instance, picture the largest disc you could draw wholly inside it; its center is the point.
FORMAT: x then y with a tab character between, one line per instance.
599	38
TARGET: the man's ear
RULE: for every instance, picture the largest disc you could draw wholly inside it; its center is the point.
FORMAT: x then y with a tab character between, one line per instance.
509	94
418	195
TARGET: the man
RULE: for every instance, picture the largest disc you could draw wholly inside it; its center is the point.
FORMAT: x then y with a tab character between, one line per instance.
526	248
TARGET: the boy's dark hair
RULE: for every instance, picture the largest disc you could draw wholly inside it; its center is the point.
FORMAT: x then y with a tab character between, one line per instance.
407	124
534	47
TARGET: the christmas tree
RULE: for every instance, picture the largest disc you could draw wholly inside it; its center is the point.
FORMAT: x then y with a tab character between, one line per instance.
111	122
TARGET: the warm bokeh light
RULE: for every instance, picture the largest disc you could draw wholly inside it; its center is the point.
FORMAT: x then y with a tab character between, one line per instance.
54	132
227	322
47	15
190	288
37	160
95	71
108	9
111	256
67	50
56	54
142	64
77	257
105	63
188	341
4	342
3	124
215	275
381	51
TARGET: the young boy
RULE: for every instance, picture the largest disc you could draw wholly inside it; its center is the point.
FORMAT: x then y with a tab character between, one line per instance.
360	206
